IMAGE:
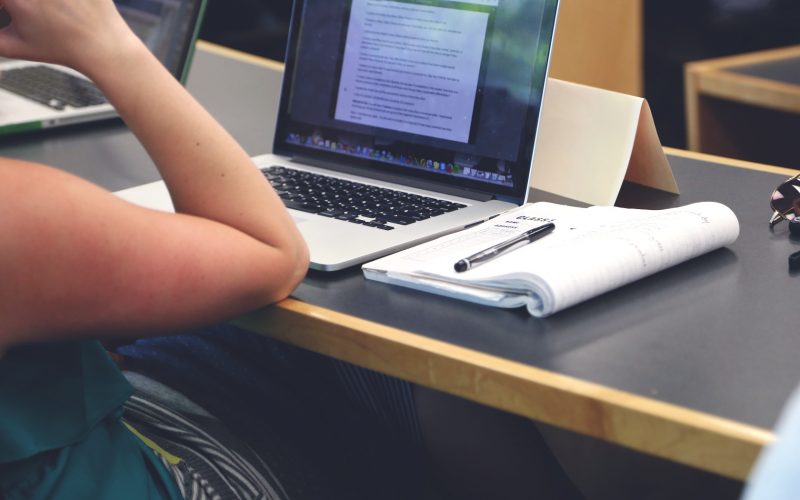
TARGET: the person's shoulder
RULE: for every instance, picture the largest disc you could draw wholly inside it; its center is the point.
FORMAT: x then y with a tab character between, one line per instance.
30	191
16	175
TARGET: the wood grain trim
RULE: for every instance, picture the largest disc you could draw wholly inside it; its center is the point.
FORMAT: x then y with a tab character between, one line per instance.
746	89
239	55
692	107
704	157
748	59
715	78
693	438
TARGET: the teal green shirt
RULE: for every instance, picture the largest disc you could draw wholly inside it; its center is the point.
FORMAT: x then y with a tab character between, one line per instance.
60	430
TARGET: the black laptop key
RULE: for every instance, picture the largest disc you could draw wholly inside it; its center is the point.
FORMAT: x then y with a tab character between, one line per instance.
300	205
51	87
400	219
351	201
331	212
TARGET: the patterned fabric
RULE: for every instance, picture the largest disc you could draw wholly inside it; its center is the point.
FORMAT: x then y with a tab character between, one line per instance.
320	438
60	405
205	460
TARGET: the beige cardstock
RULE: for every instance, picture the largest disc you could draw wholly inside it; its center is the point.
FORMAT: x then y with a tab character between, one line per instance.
590	140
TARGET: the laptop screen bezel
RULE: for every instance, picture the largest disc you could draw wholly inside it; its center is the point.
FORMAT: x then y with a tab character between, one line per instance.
182	74
186	55
377	169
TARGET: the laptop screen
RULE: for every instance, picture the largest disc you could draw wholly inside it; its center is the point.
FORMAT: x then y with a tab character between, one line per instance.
168	28
441	90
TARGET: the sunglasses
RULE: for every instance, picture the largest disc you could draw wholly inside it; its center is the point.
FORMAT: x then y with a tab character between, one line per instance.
785	202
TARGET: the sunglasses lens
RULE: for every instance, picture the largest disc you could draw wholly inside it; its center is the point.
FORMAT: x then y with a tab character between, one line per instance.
794	227
786	199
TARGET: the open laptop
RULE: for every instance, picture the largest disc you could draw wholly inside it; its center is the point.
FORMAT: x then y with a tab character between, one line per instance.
402	120
35	95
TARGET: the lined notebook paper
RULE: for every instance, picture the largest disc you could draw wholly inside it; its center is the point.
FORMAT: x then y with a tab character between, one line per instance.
592	250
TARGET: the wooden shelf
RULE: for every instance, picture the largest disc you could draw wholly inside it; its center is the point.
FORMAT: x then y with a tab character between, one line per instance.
746	106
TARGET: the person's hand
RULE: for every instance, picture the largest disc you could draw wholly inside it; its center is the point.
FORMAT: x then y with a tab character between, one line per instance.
77	33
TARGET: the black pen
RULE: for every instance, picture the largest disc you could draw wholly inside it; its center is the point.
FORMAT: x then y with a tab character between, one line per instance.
501	248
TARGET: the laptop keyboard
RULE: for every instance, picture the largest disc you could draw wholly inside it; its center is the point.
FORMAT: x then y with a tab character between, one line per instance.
51	87
354	202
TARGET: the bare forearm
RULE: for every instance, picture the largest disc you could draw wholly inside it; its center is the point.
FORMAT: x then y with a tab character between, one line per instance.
206	170
232	248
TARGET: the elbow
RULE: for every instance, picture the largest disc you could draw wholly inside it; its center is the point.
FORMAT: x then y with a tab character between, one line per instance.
293	270
299	266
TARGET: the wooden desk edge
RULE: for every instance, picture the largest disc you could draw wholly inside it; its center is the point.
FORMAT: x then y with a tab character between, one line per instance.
213	48
690	437
686	436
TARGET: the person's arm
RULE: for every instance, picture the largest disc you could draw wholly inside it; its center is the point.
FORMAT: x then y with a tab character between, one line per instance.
75	259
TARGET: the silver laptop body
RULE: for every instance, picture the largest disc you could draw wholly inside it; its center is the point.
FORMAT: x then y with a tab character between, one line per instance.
34	96
443	106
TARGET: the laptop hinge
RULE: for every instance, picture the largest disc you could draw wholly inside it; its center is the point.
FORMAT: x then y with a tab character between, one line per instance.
426	184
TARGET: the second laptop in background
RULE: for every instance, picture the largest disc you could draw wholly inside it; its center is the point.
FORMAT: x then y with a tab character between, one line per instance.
34	95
